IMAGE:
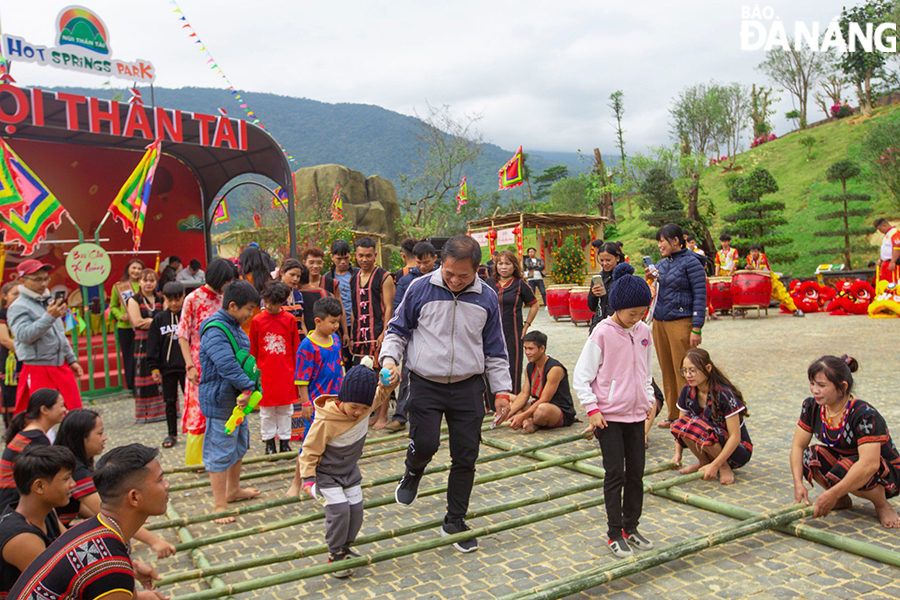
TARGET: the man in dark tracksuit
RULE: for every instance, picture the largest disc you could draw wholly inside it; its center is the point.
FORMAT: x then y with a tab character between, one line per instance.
451	323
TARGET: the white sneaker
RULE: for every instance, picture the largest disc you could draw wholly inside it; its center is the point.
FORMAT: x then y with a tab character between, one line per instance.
620	549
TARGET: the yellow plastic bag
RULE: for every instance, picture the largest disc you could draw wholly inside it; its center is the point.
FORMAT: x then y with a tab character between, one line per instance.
193	452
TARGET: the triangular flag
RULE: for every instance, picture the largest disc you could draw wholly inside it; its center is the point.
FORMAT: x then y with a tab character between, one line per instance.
513	173
130	204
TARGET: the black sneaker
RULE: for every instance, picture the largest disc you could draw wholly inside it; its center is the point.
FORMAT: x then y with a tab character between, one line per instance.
270	446
408	489
452	526
637	540
343	573
619	548
284	445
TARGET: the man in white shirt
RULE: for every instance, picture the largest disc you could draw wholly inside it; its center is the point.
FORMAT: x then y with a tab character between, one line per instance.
534	268
192	275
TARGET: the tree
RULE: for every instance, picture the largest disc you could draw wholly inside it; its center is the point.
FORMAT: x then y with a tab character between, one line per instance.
863	67
755	221
808	142
570	195
830	93
844	170
696	114
618	107
544	182
446	145
881	149
734	115
796	69
659	196
760	110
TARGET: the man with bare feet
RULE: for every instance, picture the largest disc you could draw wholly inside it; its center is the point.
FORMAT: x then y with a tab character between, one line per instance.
545	401
224	385
855	455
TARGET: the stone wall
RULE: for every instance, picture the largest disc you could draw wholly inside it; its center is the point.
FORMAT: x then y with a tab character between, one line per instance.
370	203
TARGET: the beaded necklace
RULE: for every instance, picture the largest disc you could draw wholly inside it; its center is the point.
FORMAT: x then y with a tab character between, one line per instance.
843	424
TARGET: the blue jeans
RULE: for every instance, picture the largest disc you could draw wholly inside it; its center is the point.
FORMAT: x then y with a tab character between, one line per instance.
220	450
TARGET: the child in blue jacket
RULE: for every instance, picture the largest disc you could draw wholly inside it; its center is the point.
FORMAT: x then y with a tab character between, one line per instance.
224	385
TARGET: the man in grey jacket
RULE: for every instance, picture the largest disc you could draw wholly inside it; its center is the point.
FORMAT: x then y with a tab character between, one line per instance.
40	337
449	324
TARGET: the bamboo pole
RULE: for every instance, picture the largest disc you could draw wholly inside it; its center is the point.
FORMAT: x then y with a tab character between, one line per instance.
196	555
292	454
629	566
243	565
490	477
422	546
260	506
806	532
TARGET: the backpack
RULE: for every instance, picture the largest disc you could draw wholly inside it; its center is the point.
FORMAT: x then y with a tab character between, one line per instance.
246	360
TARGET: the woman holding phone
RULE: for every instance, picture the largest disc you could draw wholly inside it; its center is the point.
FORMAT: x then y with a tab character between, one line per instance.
608	256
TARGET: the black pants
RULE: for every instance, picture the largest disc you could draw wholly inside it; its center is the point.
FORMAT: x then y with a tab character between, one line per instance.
400	413
538	283
462	404
622	445
126	346
170	384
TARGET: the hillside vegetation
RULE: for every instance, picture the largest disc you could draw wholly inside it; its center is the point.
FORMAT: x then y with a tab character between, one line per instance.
801	183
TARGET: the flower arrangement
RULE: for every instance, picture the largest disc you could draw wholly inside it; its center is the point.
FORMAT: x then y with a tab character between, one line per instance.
569	261
762	140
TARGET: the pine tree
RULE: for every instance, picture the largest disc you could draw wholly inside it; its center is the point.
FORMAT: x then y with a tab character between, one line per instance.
569	262
844	170
756	221
658	194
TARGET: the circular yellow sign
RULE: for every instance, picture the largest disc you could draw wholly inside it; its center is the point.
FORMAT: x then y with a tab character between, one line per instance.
88	264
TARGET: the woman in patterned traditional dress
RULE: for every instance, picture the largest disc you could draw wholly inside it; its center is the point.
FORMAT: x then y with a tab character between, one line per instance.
149	406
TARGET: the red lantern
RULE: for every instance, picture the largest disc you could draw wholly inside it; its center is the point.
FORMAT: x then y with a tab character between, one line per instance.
520	240
492	240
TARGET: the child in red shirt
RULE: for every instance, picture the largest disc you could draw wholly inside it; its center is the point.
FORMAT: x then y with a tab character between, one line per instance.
273	341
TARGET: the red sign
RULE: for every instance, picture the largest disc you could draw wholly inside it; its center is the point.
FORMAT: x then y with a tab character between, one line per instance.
94	115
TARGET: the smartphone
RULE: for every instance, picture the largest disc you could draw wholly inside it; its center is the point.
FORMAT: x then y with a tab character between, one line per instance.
598	280
59	296
648	262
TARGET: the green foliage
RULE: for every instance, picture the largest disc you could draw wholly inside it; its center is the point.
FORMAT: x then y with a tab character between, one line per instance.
755	220
544	182
881	149
863	67
808	142
842	171
658	194
569	267
708	116
571	195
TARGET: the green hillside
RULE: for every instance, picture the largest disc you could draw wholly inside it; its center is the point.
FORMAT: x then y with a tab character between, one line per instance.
801	183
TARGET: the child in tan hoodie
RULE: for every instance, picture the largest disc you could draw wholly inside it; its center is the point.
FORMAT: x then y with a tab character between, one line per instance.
329	461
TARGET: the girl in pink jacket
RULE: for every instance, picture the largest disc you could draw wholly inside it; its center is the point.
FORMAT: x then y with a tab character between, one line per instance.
612	380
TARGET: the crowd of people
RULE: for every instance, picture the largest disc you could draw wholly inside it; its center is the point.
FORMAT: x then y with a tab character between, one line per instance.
453	346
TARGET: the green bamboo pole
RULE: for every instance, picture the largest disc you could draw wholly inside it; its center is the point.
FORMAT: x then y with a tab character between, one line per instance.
260	506
292	454
225	537
629	566
806	532
196	555
252	563
392	553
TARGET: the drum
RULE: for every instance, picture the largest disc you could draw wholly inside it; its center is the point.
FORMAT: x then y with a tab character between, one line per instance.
558	301
578	308
751	288
720	293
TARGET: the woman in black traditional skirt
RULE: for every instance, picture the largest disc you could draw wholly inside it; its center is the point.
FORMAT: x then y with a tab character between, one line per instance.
513	293
10	373
149	405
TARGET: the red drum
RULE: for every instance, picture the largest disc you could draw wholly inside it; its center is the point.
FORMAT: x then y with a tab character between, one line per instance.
720	293
751	288
578	308
558	301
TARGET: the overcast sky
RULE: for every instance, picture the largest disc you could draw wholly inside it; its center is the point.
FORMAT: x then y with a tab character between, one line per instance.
539	72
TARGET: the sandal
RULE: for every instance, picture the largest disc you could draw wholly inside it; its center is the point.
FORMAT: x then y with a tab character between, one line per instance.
169	441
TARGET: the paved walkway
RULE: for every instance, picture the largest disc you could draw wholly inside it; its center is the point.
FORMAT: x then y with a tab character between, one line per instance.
767	358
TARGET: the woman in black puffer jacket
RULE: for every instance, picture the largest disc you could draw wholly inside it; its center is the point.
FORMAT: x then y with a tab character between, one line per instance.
680	311
608	256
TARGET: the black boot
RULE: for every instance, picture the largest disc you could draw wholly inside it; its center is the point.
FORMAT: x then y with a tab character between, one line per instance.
270	446
284	445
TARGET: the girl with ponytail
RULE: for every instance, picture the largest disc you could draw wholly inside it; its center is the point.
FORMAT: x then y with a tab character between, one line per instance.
855	455
46	409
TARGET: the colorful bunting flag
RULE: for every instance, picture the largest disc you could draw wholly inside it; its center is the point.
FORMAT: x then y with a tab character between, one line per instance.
513	173
462	196
130	204
221	214
337	205
280	200
32	207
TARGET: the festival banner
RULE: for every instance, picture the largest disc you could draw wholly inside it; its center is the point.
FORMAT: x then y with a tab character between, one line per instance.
513	173
221	215
130	204
280	200
337	205
462	196
10	198
38	209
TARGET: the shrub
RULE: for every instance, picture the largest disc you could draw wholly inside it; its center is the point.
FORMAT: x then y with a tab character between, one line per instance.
839	111
569	267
